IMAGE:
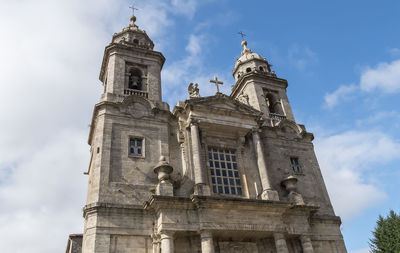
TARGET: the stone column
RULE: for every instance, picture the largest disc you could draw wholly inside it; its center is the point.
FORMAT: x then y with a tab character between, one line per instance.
199	174
306	244
280	243
267	192
156	243
156	247
167	242
207	244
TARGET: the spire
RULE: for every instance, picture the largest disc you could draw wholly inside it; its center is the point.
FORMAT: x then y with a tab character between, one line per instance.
244	44
133	17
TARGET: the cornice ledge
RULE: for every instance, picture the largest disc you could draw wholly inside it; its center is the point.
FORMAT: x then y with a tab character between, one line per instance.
242	80
327	217
94	207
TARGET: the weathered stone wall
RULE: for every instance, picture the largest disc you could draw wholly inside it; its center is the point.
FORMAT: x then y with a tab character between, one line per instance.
279	150
117	228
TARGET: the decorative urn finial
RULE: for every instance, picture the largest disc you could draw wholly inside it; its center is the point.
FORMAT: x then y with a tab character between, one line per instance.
163	170
290	185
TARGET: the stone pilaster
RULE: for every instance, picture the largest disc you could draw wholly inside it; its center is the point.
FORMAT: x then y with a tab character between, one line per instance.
199	174
167	242
267	192
156	245
306	244
280	243
207	243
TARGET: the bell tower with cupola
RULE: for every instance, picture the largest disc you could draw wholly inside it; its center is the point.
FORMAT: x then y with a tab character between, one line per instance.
129	136
258	86
131	66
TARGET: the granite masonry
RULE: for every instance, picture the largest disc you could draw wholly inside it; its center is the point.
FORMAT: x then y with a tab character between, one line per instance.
224	173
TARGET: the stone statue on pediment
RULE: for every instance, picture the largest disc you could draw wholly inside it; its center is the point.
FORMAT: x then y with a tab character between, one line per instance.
193	90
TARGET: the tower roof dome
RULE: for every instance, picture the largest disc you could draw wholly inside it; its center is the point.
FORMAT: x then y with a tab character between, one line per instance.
132	35
248	55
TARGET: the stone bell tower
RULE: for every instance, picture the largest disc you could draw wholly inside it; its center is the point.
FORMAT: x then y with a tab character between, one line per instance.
258	84
129	138
130	66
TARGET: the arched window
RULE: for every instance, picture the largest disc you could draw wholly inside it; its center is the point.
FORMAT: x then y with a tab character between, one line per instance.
135	79
248	70
261	69
271	102
136	41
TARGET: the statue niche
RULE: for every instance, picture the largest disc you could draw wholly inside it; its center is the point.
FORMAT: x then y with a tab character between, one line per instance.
135	79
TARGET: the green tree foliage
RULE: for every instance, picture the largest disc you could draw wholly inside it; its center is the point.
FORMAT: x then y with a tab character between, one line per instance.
386	236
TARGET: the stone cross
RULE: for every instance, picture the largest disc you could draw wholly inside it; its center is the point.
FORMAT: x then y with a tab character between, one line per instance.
242	34
216	82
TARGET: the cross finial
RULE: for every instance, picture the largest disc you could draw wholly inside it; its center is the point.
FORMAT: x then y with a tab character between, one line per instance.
242	34
133	9
216	82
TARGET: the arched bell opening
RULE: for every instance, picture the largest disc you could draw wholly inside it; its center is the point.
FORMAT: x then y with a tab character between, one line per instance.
135	79
273	104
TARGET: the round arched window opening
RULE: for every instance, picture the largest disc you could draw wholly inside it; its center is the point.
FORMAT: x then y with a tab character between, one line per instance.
248	70
270	100
135	79
261	69
136	41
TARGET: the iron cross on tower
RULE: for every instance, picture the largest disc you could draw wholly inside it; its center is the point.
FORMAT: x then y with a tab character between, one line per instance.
216	81
133	9
242	34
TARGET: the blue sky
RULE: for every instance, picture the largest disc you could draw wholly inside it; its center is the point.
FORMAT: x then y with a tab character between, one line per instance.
341	59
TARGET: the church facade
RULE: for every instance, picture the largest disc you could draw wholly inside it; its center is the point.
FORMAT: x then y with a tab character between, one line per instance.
223	173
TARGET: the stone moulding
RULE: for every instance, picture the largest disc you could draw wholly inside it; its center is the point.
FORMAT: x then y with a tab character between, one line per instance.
193	214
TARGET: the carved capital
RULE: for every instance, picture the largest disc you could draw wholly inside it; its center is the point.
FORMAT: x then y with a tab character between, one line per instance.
205	234
194	122
167	234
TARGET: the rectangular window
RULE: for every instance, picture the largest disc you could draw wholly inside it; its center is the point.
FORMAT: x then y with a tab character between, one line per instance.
224	172
136	146
295	164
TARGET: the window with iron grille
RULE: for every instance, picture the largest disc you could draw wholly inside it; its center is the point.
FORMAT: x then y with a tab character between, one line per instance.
224	172
136	146
295	164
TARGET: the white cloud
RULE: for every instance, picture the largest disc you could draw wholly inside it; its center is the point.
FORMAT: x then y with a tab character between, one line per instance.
345	160
51	61
194	45
184	7
49	85
343	93
177	75
389	116
301	57
152	16
42	199
384	77
395	52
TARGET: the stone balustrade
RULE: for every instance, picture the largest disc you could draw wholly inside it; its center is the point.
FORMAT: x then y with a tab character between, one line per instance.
136	92
275	116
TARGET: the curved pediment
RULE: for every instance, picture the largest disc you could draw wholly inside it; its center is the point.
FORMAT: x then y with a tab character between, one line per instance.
289	126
